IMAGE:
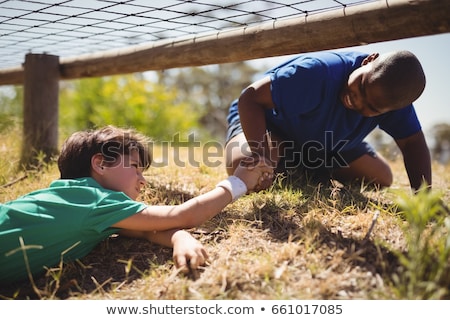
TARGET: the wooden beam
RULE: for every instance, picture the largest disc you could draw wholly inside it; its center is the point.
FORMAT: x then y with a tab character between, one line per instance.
349	26
40	112
11	76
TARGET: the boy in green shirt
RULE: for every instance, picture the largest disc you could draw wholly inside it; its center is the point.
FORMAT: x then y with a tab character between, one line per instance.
101	177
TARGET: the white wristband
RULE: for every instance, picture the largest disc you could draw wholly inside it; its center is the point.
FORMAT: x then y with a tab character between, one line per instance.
234	185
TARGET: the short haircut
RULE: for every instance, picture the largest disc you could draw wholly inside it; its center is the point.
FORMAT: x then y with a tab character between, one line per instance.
77	151
401	75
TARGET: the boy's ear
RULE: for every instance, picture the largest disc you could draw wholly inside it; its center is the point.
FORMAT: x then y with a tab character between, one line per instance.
97	163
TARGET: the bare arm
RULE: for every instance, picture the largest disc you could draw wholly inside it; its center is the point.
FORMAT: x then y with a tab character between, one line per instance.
253	102
416	157
197	210
188	252
186	215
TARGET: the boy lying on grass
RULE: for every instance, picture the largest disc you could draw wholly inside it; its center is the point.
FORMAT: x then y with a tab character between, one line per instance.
95	197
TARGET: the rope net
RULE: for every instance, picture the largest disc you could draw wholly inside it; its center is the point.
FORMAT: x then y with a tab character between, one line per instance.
75	27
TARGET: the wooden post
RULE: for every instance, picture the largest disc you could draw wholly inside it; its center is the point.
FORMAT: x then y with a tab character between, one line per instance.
40	112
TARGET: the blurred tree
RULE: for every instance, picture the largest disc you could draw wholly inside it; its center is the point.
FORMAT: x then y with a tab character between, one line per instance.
129	101
211	89
180	100
11	106
441	136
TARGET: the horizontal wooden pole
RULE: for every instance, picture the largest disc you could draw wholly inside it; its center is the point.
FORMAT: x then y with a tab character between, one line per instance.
12	76
377	21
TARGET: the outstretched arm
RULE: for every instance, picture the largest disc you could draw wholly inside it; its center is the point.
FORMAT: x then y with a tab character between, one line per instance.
416	157
197	210
188	252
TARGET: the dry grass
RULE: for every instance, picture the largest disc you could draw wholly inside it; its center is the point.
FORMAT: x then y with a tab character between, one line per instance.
299	240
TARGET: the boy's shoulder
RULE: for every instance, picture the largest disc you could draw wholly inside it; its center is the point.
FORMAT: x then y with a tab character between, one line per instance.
73	183
324	59
83	194
336	58
79	190
83	188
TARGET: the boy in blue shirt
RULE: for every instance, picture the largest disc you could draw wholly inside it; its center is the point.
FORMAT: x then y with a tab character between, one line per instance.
315	110
101	178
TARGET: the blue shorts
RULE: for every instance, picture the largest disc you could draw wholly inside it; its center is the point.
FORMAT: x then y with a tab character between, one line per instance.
294	158
234	122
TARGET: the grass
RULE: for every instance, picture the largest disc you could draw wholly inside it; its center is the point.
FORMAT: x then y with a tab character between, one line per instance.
298	240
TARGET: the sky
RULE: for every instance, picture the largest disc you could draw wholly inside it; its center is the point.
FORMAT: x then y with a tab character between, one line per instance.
433	106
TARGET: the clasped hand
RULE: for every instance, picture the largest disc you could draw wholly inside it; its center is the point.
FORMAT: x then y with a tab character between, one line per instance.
257	172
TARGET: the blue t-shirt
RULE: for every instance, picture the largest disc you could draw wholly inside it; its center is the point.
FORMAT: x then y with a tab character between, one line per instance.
305	91
60	223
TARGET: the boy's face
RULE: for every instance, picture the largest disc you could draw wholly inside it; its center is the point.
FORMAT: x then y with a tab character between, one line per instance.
125	175
363	95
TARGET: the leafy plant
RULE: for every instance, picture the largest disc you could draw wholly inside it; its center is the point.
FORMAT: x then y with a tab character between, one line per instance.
425	264
127	101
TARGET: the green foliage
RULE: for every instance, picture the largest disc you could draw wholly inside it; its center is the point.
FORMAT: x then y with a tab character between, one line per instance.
425	265
10	107
441	149
10	147
211	89
128	101
11	101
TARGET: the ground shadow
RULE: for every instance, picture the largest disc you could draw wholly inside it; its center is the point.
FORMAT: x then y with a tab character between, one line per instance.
113	262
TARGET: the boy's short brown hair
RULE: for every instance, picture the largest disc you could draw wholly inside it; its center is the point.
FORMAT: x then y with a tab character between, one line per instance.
77	151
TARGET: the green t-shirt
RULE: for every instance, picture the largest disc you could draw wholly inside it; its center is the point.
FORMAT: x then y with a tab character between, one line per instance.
61	223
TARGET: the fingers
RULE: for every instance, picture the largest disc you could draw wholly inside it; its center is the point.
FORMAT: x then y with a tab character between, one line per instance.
266	178
264	165
199	259
192	260
181	263
264	183
267	174
257	172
